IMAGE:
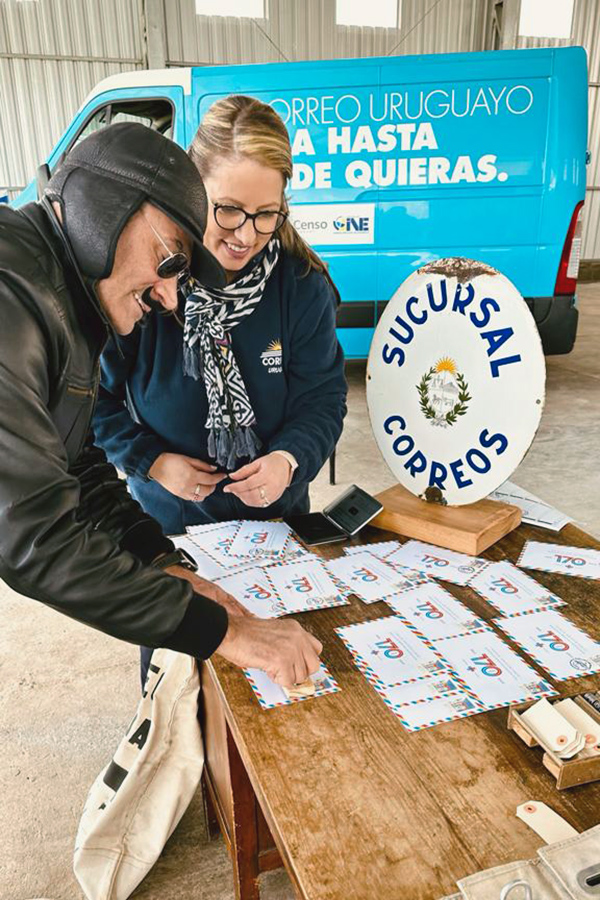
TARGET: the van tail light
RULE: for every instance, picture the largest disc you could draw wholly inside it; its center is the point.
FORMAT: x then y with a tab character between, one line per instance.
568	269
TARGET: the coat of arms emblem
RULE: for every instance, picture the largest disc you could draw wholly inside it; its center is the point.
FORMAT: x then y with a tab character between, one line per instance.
443	393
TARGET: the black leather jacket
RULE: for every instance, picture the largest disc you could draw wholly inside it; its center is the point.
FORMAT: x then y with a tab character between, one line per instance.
70	534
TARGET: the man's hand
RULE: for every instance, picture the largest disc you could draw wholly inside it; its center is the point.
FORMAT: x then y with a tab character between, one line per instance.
210	590
280	647
184	476
261	482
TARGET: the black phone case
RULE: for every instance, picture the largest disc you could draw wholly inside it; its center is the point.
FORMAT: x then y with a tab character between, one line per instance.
353	510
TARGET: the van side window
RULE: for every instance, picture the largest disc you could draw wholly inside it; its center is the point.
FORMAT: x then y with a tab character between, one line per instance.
153	113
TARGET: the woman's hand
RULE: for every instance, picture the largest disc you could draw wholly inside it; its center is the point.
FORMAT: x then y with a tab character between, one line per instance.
184	476
262	481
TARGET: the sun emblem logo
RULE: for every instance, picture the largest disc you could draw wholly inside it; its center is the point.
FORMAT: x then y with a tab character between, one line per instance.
272	357
443	393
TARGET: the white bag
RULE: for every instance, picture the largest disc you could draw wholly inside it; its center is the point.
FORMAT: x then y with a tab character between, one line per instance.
136	802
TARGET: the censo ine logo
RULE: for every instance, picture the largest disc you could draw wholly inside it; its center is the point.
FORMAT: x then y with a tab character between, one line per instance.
347	224
271	357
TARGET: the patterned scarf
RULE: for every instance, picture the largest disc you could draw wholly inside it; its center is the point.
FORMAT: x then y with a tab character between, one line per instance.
210	314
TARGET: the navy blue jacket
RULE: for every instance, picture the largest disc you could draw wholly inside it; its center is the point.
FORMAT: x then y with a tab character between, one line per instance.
293	368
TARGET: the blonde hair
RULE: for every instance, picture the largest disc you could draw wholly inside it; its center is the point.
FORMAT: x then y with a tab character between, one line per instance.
244	126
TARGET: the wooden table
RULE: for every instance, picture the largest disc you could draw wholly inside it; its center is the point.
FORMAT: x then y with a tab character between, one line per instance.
357	807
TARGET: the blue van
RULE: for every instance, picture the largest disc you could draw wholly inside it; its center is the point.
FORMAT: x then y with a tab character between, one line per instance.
401	160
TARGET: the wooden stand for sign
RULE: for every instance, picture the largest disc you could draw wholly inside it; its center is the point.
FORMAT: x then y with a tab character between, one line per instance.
468	529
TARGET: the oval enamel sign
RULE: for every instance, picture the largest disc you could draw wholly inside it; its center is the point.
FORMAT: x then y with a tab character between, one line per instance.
455	381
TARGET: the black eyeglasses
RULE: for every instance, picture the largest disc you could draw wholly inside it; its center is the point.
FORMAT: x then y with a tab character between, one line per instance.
230	218
175	264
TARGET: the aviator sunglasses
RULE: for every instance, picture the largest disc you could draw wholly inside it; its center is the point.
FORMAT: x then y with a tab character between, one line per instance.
174	264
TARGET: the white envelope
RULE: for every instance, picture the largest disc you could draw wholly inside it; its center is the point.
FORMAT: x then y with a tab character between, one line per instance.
389	653
271	695
435	712
305	585
256	539
215	540
434	612
510	590
417	691
559	646
380	549
208	567
254	591
579	561
458	568
368	577
491	670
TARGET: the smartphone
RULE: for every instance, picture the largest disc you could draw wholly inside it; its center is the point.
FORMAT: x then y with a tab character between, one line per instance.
352	510
341	519
315	528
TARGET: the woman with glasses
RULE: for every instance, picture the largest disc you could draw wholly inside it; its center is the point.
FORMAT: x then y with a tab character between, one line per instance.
229	408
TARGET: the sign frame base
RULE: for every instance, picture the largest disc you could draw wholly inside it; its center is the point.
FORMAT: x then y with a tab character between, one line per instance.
471	528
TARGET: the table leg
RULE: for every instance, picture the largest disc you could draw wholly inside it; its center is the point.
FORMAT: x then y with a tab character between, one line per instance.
212	820
244	836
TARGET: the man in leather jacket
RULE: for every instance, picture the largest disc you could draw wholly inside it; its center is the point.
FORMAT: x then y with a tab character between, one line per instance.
119	219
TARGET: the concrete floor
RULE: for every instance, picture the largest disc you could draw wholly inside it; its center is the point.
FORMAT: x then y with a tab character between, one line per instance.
68	692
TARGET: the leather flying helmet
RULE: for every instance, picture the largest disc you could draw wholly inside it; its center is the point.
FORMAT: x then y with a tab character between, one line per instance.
107	177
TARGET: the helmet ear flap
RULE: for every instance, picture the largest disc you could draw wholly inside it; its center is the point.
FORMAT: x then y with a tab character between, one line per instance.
95	210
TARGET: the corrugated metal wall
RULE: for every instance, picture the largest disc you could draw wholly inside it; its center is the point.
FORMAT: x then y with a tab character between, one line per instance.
586	33
306	29
52	52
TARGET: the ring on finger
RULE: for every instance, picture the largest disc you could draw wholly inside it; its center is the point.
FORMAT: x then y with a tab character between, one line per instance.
197	491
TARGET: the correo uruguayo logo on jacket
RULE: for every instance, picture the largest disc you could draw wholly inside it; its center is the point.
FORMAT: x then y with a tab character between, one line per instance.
272	357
